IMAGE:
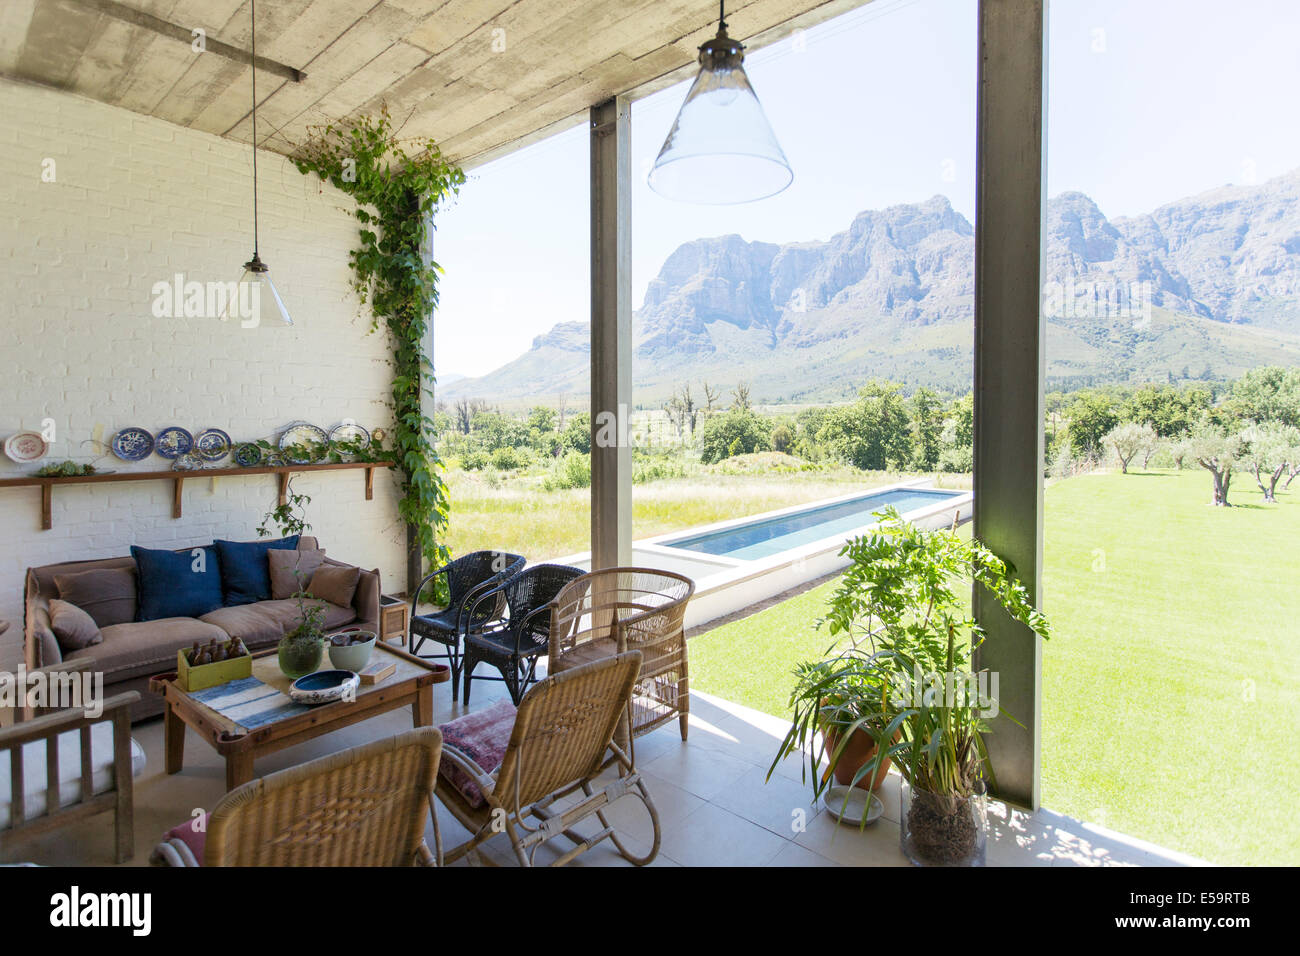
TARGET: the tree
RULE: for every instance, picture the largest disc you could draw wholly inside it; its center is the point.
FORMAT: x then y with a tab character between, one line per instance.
577	434
682	411
1171	411
740	397
710	398
1092	415
1216	453
782	438
735	432
541	418
1268	450
927	429
874	433
1128	440
1269	394
957	442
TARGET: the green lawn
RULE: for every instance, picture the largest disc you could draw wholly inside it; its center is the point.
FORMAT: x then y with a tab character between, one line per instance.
1170	686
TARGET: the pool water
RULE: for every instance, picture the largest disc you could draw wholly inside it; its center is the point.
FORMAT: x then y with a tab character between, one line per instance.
769	536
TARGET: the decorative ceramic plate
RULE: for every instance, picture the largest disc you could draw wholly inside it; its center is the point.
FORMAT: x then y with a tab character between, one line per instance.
187	462
173	442
212	444
26	447
302	437
853	811
323	687
351	433
133	444
248	455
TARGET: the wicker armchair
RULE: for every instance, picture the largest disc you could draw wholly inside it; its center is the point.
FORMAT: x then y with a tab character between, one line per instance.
560	743
614	610
467	577
512	645
361	807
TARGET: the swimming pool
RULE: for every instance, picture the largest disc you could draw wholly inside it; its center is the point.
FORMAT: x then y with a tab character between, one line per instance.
741	561
764	537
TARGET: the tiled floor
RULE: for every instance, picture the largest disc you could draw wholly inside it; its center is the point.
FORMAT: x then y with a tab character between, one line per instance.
715	803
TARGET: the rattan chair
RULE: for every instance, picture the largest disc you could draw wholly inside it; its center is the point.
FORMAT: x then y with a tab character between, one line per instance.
623	609
512	645
366	806
561	743
467	577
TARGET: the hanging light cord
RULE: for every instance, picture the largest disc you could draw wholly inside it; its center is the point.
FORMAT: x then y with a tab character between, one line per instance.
722	14
253	24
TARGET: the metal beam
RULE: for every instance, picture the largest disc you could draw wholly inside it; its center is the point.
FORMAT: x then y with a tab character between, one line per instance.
611	333
1009	363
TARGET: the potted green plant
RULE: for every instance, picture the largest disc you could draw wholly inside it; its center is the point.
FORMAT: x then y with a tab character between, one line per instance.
902	674
300	650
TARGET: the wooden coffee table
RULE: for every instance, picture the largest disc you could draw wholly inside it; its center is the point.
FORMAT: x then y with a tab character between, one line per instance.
410	685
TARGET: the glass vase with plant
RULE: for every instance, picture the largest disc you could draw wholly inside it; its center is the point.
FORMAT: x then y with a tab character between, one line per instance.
902	673
300	650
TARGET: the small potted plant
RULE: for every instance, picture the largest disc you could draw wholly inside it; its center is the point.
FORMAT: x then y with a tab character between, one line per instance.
903	673
301	649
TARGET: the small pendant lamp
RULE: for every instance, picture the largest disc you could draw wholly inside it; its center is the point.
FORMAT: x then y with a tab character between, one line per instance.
721	149
256	271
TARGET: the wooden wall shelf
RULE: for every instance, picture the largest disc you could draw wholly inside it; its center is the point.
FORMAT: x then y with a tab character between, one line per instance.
178	479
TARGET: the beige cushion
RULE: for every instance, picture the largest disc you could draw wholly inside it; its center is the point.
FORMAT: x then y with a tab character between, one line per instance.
106	594
335	584
254	624
267	621
283	564
35	777
141	648
72	626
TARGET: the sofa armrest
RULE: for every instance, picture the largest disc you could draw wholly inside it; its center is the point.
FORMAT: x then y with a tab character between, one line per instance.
40	649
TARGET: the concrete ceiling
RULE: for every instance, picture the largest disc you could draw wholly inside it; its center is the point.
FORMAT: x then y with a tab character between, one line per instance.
479	76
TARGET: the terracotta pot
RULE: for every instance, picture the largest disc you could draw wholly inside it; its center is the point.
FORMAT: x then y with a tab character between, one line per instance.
857	752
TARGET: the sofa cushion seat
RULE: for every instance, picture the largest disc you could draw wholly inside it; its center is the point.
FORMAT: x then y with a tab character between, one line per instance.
142	648
254	624
35	778
267	621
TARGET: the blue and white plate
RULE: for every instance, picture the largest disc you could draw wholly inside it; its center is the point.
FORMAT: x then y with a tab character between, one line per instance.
187	462
248	455
212	444
350	432
304	436
323	687
173	442
133	444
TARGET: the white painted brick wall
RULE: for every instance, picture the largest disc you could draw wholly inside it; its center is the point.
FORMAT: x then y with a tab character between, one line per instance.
135	201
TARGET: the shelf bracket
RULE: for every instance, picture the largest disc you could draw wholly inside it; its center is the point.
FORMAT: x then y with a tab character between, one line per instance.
370	484
284	487
177	484
47	506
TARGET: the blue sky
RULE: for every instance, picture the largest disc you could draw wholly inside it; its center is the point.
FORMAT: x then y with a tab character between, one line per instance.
1149	101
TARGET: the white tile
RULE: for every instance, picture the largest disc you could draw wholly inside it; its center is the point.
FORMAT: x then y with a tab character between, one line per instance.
715	837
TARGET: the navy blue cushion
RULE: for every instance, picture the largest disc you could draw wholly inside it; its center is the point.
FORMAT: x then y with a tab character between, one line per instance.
245	575
177	583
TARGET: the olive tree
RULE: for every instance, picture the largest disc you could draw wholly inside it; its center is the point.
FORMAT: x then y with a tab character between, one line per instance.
1129	440
1216	453
1268	451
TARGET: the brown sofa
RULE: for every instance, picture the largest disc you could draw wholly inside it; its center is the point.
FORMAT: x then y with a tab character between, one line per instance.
131	653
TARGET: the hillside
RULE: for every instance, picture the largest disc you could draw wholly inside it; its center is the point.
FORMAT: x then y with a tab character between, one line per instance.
891	296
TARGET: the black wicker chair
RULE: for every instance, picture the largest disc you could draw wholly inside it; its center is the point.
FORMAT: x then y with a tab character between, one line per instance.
512	645
468	577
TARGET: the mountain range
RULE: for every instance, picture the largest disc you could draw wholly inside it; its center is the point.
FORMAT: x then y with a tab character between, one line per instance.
1204	287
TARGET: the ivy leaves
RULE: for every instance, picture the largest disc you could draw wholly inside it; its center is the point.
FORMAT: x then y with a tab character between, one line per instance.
396	192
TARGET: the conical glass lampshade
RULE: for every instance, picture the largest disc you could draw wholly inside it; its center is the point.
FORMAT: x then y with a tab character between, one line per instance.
721	149
253	296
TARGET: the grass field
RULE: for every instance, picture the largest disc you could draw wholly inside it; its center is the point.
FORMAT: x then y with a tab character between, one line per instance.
1170	702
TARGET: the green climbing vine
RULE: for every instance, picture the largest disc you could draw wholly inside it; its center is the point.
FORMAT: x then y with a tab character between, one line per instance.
397	186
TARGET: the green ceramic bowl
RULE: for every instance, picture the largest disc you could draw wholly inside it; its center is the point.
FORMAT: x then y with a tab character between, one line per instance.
355	656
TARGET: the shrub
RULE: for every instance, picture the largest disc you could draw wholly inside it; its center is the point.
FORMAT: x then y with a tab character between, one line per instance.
736	432
474	460
508	459
572	471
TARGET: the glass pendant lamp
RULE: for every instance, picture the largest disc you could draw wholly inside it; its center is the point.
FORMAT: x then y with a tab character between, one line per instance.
721	149
256	277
